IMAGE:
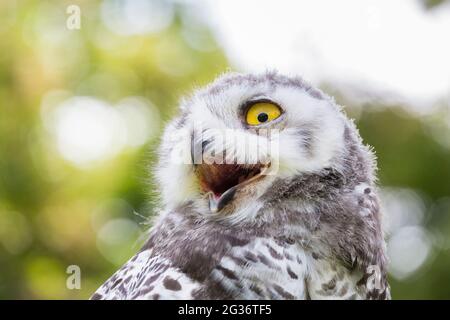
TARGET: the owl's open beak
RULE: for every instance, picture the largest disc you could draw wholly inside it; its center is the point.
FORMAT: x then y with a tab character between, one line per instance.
221	181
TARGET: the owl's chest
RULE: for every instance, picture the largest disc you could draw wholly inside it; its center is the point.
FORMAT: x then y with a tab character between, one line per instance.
264	269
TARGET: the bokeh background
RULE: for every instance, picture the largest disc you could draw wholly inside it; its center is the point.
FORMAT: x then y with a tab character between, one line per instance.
81	111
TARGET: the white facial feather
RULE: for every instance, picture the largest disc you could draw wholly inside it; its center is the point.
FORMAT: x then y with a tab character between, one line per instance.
214	113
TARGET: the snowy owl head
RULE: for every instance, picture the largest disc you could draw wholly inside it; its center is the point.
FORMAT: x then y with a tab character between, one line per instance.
240	143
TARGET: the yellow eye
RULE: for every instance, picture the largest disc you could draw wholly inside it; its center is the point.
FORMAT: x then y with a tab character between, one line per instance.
262	112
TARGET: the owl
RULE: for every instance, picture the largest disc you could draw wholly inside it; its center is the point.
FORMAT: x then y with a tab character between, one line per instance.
266	192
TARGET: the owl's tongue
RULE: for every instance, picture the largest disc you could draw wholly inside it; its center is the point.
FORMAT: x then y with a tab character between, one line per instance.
221	181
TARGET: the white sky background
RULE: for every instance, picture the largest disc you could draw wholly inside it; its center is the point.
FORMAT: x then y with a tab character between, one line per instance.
379	46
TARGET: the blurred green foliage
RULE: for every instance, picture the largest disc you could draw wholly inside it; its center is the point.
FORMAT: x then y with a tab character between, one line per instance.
433	3
47	203
54	213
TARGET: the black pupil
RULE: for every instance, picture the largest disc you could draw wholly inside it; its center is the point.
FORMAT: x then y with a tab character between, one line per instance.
263	117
